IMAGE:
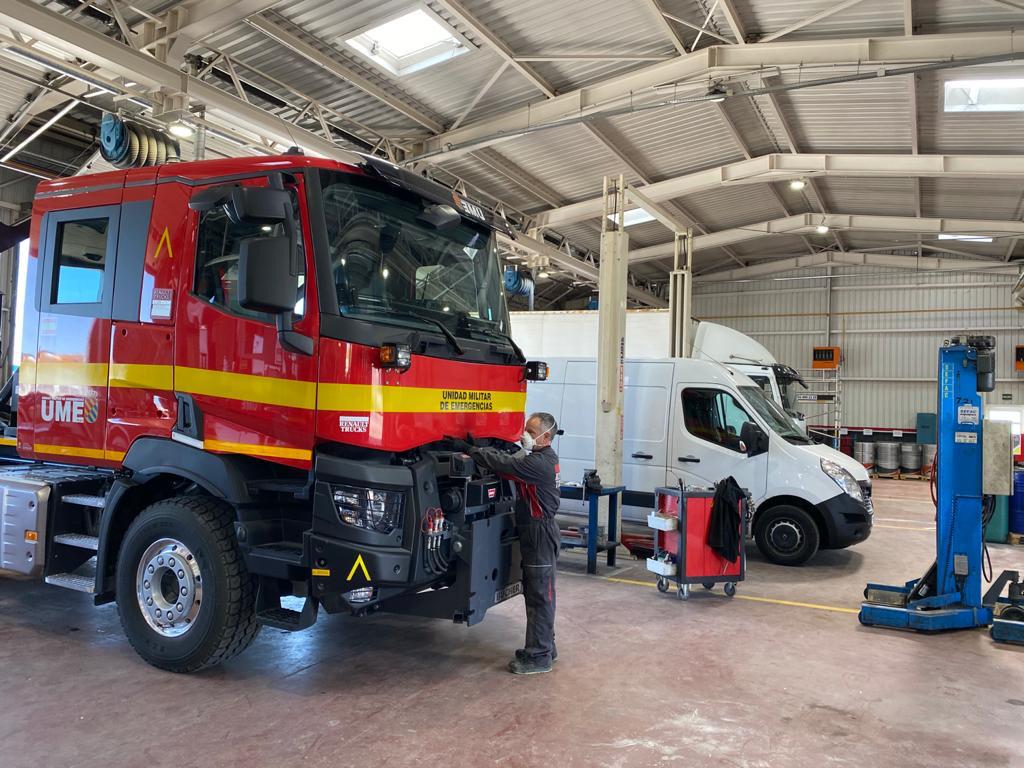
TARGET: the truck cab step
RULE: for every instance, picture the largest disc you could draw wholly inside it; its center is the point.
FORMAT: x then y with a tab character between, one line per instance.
85	500
79	540
288	619
74	581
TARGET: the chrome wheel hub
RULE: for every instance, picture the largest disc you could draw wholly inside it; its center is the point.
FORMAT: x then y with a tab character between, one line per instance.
169	587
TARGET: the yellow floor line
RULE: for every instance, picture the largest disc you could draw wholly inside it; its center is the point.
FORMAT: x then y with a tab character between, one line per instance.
770	600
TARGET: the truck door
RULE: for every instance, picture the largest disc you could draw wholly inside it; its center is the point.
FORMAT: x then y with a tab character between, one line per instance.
74	295
707	443
252	396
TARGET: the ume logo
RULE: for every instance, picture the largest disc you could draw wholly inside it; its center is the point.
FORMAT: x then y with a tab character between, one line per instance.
71	410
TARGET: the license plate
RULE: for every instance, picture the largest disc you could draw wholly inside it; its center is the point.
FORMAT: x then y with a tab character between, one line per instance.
510	591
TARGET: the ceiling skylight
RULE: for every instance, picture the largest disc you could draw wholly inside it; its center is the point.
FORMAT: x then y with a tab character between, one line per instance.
1005	95
409	43
635	216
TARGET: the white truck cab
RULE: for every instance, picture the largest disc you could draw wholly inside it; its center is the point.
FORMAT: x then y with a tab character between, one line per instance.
682	422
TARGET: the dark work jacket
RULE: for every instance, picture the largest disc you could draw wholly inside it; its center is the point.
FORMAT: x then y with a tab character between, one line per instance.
535	474
724	527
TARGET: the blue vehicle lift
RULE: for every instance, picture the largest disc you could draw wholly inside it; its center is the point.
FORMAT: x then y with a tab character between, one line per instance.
949	596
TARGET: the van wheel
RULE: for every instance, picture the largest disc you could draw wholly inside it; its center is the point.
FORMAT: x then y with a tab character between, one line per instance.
185	598
786	535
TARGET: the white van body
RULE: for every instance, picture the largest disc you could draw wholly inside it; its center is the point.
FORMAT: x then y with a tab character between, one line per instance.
660	450
546	335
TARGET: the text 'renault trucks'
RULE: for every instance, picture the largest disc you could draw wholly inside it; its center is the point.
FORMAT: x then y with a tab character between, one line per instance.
236	383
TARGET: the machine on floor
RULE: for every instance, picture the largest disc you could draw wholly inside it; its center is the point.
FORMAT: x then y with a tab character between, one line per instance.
949	594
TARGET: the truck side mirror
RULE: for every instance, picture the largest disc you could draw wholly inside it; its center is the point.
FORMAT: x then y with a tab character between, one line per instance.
259	205
265	279
754	438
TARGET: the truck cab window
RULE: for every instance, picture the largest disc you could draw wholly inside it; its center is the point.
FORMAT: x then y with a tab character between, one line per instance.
714	415
217	253
80	261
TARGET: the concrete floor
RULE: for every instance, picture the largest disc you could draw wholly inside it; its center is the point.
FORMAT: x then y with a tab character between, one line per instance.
783	675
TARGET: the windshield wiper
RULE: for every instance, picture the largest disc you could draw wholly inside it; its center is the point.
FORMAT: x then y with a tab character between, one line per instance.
454	342
495	333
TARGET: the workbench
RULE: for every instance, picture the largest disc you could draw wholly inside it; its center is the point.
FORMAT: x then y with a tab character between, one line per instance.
614	494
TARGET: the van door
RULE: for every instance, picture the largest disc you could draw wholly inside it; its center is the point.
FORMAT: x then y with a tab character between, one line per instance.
645	435
706	439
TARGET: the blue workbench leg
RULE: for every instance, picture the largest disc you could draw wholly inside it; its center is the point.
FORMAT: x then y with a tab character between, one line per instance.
613	525
592	535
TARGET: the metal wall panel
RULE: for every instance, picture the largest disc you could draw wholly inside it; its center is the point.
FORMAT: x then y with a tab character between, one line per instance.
889	323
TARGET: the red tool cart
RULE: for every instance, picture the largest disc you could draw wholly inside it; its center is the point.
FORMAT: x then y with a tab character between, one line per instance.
681	552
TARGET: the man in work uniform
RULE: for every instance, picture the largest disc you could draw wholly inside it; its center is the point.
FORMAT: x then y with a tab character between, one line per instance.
535	475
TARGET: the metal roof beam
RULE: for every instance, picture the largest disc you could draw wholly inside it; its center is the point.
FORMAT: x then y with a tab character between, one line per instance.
498	162
478	29
858	259
208	17
783	167
696	27
119	60
670	32
719	60
807	20
340	70
805	224
733	19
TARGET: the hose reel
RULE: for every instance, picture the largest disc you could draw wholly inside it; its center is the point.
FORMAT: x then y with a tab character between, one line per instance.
132	145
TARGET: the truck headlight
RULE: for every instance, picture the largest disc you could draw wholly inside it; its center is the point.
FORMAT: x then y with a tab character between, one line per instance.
370	508
843	479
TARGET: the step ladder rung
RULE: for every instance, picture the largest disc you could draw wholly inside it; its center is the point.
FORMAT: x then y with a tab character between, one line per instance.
73	581
85	500
80	540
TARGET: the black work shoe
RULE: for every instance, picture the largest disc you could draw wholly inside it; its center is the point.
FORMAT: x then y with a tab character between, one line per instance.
528	667
521	655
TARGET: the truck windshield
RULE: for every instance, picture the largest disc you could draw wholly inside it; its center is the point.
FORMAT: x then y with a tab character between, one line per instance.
389	264
776	419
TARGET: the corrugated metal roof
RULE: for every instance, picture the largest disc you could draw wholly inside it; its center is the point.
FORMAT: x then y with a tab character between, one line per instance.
867	18
891	197
953	132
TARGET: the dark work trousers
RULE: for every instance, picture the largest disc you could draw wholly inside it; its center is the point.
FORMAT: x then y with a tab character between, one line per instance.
540	544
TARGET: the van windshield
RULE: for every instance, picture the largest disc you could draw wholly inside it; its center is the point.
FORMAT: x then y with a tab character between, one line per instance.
774	416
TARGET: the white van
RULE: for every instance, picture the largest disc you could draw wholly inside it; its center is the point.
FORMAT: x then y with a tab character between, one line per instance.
683	420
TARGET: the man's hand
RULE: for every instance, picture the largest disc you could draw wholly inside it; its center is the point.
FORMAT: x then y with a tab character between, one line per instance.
462	446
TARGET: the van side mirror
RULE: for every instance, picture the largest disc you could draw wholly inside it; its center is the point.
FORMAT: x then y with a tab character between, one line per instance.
265	279
754	438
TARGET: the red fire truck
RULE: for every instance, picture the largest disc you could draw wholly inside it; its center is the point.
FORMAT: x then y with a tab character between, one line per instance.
237	380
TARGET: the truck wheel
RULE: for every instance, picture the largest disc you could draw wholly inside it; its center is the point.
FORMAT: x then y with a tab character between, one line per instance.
185	598
786	535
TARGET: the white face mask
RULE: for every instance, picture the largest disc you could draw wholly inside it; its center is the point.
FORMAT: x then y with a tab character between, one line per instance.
529	442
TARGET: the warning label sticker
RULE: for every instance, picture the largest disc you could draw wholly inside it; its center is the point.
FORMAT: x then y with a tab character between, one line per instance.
465	400
966	437
967	414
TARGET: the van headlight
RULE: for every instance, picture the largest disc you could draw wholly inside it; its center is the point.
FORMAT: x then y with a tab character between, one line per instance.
371	508
843	479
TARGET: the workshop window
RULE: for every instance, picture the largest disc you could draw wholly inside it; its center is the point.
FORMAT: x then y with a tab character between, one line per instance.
217	258
714	415
80	261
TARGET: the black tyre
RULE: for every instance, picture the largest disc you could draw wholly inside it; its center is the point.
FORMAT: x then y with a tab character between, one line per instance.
786	535
730	589
185	598
709	585
662	584
1012	613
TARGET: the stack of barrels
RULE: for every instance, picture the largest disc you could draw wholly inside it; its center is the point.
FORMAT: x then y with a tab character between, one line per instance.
890	458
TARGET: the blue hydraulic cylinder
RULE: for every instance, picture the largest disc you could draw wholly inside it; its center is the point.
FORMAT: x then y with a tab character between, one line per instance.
958	529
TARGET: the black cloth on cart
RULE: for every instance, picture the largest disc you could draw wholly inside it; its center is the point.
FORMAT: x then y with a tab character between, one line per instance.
724	527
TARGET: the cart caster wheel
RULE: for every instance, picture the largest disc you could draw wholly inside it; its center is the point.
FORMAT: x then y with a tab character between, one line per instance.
684	592
866	594
662	584
730	589
708	585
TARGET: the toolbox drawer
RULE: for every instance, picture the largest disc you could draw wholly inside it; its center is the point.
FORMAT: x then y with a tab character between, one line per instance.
661	567
662	522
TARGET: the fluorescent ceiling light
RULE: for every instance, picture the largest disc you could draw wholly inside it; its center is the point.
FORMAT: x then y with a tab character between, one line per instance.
1006	95
967	238
797	184
409	43
180	129
821	229
635	216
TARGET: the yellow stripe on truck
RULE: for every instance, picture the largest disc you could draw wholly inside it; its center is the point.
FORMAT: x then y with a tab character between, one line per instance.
378	399
251	449
243	386
141	376
75	450
67	374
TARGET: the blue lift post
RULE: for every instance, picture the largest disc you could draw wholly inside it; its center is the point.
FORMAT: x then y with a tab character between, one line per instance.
949	595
